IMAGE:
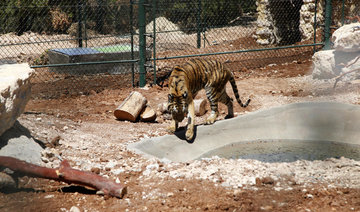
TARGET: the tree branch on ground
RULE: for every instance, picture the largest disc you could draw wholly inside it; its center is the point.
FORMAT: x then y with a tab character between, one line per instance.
347	72
65	174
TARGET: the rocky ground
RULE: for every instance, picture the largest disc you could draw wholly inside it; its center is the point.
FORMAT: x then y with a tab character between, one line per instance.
83	130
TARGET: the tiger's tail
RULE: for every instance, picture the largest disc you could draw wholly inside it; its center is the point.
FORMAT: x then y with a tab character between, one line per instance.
236	92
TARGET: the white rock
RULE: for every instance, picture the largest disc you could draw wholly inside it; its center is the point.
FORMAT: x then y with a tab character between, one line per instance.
74	209
6	181
330	63
117	171
15	91
49	196
324	64
347	38
154	166
110	164
309	196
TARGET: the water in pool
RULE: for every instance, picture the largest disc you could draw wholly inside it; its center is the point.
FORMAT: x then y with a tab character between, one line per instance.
286	150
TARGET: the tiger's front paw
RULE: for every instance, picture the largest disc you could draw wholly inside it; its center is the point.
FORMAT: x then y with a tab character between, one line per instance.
189	134
211	119
171	129
173	126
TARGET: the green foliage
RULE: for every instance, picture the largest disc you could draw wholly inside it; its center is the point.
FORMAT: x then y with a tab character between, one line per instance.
23	15
112	16
189	14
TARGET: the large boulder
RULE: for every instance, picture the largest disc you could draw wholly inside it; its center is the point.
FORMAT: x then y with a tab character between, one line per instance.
347	38
307	15
324	65
331	63
17	142
15	92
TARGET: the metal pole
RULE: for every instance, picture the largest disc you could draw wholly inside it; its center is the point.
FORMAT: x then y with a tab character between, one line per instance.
315	24
239	51
79	23
142	44
328	12
342	13
132	42
198	24
85	33
154	38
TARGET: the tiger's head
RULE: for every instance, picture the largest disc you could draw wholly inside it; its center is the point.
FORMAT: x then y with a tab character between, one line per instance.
178	97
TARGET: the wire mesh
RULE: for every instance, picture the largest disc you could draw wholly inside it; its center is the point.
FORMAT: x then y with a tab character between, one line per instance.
75	46
83	46
345	12
205	28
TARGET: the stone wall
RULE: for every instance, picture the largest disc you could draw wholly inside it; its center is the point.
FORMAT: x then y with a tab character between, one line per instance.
307	14
286	22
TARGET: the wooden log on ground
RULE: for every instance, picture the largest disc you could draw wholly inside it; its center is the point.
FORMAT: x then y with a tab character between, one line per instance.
65	174
200	106
131	107
148	114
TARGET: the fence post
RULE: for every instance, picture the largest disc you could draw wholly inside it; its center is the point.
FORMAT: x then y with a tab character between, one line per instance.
154	37
198	24
343	13
328	12
80	23
315	24
131	14
142	44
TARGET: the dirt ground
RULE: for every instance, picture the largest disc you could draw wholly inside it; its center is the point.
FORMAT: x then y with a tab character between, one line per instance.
92	139
75	114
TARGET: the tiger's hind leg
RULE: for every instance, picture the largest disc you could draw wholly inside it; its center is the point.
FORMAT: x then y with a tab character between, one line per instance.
213	115
225	99
213	105
191	122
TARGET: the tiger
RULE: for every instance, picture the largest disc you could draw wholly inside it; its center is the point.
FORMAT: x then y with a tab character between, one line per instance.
187	80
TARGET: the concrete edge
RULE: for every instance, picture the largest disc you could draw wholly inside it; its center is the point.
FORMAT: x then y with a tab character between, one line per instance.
317	121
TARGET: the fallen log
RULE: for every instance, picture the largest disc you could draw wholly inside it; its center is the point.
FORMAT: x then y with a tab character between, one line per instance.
348	72
131	107
65	174
200	106
148	114
337	79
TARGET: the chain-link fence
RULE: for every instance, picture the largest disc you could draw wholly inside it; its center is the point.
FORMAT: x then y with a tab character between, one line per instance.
75	46
89	45
345	12
235	32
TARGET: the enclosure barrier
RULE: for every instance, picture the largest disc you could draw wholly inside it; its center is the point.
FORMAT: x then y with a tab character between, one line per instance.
83	46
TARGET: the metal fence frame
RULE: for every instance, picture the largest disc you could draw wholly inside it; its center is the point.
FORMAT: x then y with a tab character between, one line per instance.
150	7
143	34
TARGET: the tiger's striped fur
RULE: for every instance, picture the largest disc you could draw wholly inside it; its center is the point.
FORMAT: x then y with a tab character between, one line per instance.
185	82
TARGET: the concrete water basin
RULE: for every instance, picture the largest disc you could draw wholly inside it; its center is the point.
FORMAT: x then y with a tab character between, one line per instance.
308	130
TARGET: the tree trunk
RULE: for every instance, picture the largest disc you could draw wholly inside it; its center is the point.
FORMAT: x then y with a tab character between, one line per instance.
65	174
200	106
148	114
131	107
